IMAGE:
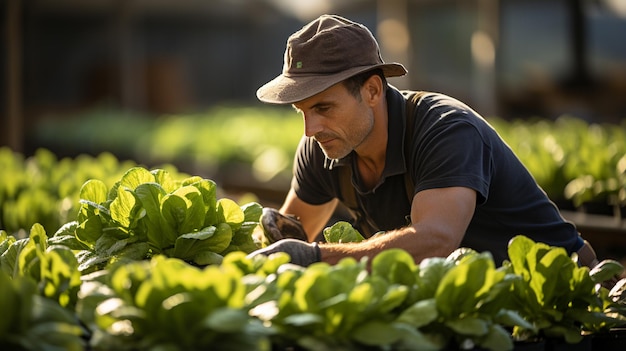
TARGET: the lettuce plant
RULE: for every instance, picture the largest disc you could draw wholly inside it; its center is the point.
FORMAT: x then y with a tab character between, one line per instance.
33	322
332	307
166	304
558	297
461	301
147	213
54	268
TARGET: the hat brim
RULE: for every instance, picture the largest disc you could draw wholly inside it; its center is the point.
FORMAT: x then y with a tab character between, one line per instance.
289	89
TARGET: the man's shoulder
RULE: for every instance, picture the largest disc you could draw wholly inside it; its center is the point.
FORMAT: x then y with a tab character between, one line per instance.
438	104
432	98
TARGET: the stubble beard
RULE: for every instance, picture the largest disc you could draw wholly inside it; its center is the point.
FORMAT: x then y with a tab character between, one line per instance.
339	148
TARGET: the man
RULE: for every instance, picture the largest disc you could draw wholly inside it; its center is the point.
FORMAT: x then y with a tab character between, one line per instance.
466	187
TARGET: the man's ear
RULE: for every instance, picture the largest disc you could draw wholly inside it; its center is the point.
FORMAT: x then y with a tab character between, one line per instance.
372	90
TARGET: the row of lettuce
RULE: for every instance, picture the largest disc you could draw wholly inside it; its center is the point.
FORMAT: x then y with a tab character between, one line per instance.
575	161
157	261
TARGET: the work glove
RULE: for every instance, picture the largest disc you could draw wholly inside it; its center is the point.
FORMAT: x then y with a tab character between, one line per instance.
277	226
302	253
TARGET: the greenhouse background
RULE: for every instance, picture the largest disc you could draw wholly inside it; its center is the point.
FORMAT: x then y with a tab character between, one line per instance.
158	81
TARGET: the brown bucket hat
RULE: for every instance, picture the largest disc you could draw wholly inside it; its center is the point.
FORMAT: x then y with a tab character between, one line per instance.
325	52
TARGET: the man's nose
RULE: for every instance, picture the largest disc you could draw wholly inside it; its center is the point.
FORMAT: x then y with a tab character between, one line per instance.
312	124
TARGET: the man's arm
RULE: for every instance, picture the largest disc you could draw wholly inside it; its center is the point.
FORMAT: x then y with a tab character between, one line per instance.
439	220
312	217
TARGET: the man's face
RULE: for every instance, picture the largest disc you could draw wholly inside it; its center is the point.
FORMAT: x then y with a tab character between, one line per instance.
337	120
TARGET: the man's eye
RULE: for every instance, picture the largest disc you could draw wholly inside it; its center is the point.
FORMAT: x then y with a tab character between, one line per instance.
322	109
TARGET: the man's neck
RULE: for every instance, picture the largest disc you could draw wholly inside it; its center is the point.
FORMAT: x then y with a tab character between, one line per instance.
371	158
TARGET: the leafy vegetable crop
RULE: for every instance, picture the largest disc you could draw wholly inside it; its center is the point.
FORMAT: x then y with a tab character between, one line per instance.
53	267
571	158
167	304
557	296
45	190
155	262
32	322
147	213
264	303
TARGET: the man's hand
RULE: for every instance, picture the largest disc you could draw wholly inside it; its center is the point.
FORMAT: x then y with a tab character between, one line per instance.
277	226
301	252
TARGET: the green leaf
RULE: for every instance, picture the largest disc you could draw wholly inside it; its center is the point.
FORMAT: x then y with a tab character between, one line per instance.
242	239
208	189
122	207
394	297
5	241
133	251
90	209
94	190
396	266
68	241
420	313
342	232
60	278
53	327
227	320
174	212
89	231
9	261
29	259
220	241
552	273
377	333
229	212
135	177
463	288
205	258
518	247
362	294
158	233
252	212
460	254
431	272
195	213
468	326
189	245
108	244
512	318
66	236
9	304
89	261
414	340
497	338
313	287
165	180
